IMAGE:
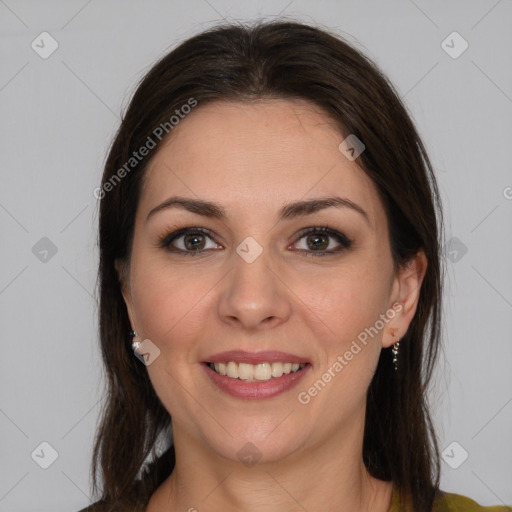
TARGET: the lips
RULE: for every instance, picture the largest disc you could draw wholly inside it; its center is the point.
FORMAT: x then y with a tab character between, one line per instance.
255	375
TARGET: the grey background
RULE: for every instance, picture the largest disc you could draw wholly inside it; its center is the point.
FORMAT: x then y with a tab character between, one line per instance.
58	116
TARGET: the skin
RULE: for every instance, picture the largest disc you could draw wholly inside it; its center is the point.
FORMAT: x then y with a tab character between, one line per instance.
253	158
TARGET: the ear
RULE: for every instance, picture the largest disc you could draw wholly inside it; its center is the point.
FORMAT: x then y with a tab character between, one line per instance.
123	273
405	295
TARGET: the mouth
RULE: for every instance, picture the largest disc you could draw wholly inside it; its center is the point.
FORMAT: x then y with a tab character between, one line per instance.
255	376
260	372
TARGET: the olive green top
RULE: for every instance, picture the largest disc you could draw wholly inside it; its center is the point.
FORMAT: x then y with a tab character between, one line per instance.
446	502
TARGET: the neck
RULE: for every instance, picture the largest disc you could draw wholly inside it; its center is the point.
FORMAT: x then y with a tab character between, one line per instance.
327	477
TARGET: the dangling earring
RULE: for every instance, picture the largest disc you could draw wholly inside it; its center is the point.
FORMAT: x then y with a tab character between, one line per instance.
394	351
135	342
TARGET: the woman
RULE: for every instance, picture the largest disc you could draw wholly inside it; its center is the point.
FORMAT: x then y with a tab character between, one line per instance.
270	233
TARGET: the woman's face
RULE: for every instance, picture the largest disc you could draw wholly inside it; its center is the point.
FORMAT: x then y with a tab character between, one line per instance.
249	279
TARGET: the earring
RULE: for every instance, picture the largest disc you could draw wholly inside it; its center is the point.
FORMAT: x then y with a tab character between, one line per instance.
135	343
394	351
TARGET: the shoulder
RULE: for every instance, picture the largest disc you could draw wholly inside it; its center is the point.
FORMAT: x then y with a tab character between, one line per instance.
449	502
102	506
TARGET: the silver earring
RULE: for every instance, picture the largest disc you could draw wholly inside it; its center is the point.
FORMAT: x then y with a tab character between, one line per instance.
135	343
394	351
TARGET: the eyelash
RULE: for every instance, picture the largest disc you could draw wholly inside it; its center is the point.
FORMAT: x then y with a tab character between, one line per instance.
345	243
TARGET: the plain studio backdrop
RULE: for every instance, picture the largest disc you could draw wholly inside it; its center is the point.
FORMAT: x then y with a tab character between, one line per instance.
67	68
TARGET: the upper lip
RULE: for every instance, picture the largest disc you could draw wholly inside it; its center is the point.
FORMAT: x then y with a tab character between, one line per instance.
267	356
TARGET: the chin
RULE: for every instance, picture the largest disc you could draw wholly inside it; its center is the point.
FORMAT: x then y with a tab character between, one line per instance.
253	446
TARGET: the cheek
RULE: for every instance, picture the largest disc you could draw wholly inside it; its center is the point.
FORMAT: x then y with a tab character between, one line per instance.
166	298
345	301
342	310
170	308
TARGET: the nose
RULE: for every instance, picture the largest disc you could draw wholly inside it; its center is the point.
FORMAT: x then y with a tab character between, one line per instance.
254	296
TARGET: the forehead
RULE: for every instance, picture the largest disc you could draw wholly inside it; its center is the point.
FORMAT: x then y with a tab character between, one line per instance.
257	156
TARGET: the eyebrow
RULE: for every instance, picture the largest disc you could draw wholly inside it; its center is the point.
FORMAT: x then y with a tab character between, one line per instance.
287	212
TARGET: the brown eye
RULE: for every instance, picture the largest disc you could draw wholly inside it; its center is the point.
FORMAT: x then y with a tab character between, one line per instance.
323	241
188	241
194	241
317	242
320	241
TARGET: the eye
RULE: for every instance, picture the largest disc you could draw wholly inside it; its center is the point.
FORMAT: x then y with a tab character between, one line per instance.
319	240
194	241
188	241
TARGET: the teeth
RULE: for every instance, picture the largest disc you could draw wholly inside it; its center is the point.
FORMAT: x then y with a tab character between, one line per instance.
232	370
277	369
251	372
245	371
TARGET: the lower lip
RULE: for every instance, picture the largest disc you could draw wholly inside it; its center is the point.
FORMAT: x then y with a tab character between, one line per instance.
255	390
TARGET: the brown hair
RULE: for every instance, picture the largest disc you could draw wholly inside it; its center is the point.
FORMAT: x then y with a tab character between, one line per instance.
275	60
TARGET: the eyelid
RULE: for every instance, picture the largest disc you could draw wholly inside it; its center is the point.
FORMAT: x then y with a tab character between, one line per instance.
343	240
165	241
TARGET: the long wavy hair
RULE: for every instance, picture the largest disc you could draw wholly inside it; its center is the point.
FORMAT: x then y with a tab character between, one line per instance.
133	452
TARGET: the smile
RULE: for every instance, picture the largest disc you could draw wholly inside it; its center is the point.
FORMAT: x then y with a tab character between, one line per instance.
255	382
255	372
